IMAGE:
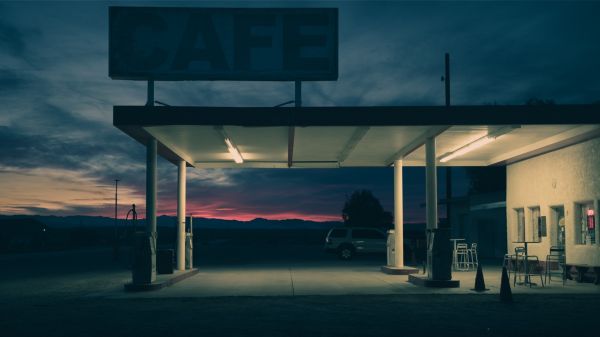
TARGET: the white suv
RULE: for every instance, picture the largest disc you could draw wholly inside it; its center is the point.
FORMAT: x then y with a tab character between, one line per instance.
348	241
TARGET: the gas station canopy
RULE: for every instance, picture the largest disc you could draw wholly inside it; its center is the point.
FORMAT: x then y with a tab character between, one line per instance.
329	137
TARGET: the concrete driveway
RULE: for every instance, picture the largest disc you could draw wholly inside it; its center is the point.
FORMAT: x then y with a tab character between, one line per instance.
306	270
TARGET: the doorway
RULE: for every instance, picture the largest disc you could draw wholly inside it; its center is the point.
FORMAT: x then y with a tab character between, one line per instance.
557	225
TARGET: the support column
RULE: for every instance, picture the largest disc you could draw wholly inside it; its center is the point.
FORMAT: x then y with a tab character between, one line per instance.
181	203
151	203
439	255
398	215
431	184
398	267
431	206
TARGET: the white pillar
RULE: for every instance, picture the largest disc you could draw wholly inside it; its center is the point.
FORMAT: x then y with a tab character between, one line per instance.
431	184
398	215
151	186
181	202
151	202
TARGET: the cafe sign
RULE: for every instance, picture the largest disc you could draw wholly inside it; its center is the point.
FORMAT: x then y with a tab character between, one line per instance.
241	44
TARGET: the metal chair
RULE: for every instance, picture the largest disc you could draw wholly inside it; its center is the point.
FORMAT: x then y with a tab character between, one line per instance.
519	258
508	263
473	255
526	266
534	267
462	257
556	258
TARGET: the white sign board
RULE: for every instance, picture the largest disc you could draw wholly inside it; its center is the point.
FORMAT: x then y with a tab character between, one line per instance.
252	44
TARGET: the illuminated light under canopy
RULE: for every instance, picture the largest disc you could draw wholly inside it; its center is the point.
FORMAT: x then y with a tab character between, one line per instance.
235	153
233	150
476	144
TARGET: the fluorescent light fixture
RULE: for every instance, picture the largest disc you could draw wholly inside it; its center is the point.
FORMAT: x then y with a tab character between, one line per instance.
477	143
233	150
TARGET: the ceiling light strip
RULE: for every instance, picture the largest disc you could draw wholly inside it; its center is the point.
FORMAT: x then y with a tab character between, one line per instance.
236	155
477	143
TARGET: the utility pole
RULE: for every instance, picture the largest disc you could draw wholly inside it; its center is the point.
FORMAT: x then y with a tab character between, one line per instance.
448	169
116	238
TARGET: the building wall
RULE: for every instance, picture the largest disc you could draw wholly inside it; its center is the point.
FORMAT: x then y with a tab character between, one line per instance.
563	177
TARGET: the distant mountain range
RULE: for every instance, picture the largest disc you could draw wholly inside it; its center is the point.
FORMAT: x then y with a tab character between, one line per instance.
170	221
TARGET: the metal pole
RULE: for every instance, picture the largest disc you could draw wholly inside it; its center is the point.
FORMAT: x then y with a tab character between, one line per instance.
398	215
181	205
151	177
448	195
116	200
298	93
116	235
150	94
448	168
447	78
291	128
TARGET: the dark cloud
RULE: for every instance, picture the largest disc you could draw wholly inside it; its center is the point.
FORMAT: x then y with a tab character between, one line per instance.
57	98
9	80
12	40
65	210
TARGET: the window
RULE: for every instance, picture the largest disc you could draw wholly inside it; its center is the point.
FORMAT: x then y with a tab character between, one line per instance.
338	233
520	212
534	218
585	223
366	234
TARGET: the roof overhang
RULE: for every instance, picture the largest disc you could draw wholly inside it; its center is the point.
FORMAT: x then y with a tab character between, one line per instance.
327	137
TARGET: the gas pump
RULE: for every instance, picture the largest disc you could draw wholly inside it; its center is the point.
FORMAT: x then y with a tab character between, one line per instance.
143	269
391	248
439	254
189	245
130	231
133	214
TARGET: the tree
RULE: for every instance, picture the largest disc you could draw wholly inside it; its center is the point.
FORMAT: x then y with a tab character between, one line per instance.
362	209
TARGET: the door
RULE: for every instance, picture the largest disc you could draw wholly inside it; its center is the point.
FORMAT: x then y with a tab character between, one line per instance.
557	226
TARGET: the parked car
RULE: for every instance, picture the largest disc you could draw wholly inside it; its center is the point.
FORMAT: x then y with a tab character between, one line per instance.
346	242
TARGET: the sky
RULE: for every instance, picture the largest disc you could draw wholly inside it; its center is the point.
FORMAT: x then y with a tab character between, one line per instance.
60	153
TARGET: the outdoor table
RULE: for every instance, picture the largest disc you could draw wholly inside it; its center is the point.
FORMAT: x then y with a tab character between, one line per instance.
454	259
526	262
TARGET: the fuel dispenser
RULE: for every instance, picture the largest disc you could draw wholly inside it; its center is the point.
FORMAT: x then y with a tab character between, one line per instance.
143	269
144	258
391	248
189	246
439	254
130	229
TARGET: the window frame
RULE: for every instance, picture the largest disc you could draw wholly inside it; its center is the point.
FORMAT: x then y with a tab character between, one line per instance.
580	222
520	230
535	222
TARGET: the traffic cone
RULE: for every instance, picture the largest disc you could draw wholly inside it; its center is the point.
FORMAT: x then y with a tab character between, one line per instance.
479	282
505	292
